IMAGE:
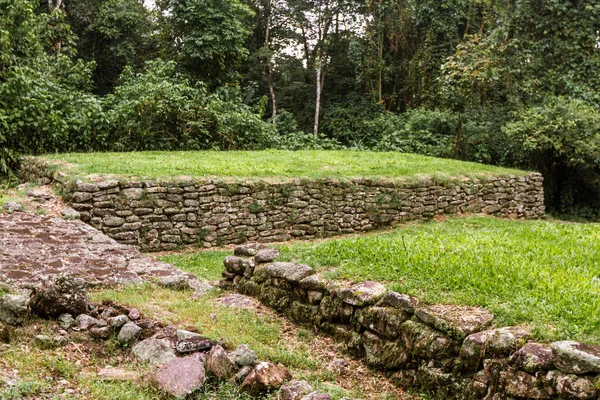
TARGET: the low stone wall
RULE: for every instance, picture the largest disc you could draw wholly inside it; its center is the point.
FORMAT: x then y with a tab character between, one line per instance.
164	215
450	350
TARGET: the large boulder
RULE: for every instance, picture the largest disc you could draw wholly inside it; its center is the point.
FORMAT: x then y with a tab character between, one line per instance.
13	309
181	377
128	333
60	295
265	377
154	351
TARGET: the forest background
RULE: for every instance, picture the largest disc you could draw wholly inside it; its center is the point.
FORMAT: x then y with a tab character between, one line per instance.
505	82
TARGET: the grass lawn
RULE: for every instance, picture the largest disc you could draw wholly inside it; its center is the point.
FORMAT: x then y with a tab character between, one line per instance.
543	273
275	164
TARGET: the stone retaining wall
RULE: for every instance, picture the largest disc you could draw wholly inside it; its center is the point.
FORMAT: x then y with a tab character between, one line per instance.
451	350
164	215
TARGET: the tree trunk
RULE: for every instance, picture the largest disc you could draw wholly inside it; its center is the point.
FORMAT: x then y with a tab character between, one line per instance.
269	66
319	66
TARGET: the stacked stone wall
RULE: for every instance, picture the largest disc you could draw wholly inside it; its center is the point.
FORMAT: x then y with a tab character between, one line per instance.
159	215
453	351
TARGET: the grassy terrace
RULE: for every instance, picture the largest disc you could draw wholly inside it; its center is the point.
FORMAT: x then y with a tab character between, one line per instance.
542	273
274	164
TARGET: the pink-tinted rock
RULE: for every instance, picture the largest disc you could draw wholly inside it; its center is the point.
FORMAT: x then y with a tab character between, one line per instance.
294	390
219	364
181	377
533	357
265	377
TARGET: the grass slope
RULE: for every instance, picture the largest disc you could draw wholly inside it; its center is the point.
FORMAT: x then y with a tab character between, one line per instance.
543	273
275	164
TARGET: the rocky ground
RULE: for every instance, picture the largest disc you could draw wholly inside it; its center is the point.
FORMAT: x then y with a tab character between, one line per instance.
55	342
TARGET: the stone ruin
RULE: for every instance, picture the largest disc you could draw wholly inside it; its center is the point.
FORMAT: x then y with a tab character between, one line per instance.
184	360
453	351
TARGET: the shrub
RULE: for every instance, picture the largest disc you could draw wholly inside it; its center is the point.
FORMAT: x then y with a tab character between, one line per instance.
561	138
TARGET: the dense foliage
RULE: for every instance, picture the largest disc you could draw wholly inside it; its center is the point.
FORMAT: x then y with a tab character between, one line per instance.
508	82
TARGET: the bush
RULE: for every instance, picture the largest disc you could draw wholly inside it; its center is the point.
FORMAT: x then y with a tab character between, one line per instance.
344	121
561	138
420	131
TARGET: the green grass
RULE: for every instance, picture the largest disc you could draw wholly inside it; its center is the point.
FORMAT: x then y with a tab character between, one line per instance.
275	164
206	265
542	273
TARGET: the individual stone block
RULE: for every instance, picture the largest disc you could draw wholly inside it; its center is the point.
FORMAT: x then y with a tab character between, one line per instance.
266	255
456	321
181	376
383	320
286	270
60	295
265	377
361	294
523	385
576	358
154	351
14	309
402	302
219	364
533	357
380	353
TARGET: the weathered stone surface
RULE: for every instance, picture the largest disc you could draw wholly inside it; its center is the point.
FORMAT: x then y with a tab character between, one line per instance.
383	320
243	373
533	357
193	344
63	294
174	282
496	343
248	250
574	387
101	333
314	282
183	334
35	248
11	207
85	322
118	321
363	293
286	270
523	385
69	214
234	264
116	374
316	396
14	309
128	333
576	358
243	356
294	390
219	364
266	255
66	321
456	321
380	353
426	343
181	377
265	377
134	314
154	351
402	302
238	300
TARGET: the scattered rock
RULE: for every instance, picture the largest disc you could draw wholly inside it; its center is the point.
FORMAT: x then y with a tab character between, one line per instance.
59	340
108	313
13	309
102	333
85	322
69	214
219	364
181	377
183	334
134	314
316	396
116	374
266	255
576	358
265	377
238	300
242	374
145	324
43	341
174	282
294	390
66	321
128	333
243	356
12	207
193	344
60	295
118	321
363	293
154	351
